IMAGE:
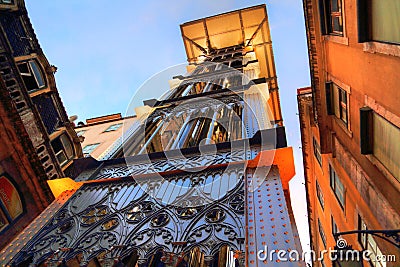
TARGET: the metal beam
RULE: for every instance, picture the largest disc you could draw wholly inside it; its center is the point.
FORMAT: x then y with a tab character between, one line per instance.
207	36
258	28
195	44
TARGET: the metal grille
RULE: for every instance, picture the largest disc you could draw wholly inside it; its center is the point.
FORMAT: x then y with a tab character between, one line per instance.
16	34
48	112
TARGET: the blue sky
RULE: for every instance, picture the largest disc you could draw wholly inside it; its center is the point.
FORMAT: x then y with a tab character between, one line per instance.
105	50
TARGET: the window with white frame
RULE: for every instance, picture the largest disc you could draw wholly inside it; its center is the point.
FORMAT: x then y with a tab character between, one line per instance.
32	75
332	17
337	102
63	149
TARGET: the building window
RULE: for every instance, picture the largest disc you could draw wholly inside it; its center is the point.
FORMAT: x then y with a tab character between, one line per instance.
379	20
377	136
331	17
337	186
317	151
10	203
368	243
385	144
385	21
113	127
320	195
321	233
80	133
32	75
90	148
337	102
63	149
334	228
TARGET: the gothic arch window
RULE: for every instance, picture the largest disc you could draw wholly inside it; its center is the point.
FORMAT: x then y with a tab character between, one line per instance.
10	202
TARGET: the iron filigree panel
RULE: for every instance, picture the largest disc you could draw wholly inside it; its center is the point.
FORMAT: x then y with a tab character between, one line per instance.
113	219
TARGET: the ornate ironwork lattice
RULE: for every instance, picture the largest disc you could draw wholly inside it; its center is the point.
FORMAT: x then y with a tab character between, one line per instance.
113	219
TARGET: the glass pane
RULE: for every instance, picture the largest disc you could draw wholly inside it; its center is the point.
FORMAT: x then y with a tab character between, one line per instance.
38	74
337	24
62	159
335	97
334	5
80	133
69	151
113	127
385	20
386	134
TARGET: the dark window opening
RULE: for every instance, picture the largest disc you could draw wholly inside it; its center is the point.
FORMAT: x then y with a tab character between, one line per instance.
32	75
63	149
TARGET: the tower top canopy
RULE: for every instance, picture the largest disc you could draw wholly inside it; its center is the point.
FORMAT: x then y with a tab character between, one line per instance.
244	27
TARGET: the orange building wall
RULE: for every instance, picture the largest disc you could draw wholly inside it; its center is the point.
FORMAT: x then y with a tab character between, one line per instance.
347	218
370	73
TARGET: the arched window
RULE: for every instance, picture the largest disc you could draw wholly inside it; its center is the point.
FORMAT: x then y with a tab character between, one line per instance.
32	75
63	149
10	202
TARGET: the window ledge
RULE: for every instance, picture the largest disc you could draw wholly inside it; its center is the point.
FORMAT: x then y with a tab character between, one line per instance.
382	48
337	39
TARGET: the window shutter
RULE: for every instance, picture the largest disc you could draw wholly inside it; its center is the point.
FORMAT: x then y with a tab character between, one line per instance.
366	130
329	95
362	20
323	17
